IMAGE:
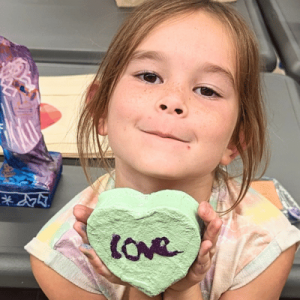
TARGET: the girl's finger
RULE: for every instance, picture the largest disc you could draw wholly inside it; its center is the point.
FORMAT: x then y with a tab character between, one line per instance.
99	266
198	269
82	213
202	263
81	230
212	231
95	261
206	212
205	248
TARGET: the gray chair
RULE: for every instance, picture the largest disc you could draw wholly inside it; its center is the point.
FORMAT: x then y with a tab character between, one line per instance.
282	17
66	31
251	13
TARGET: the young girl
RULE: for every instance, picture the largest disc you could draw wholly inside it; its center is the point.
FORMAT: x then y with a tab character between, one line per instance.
178	96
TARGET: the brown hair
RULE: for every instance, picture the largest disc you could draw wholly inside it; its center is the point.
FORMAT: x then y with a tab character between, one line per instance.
250	132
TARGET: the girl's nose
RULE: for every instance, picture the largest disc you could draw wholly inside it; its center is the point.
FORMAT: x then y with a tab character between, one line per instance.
177	111
172	104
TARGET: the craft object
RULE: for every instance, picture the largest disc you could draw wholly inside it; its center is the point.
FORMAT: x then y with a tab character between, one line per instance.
29	174
149	241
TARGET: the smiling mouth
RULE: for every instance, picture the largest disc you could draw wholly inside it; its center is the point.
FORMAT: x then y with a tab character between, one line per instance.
165	136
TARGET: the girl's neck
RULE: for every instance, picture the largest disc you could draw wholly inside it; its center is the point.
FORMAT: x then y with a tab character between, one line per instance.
198	188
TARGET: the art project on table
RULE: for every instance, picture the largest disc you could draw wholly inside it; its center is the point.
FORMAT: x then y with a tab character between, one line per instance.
29	174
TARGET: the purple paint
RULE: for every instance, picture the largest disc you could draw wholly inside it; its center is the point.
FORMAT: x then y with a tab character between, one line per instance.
156	247
124	249
113	247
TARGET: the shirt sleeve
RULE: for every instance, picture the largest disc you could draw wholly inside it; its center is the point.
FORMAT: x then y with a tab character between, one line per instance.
253	235
57	245
281	242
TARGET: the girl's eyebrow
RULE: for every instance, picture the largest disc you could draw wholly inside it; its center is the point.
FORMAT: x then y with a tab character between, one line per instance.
153	55
207	68
212	68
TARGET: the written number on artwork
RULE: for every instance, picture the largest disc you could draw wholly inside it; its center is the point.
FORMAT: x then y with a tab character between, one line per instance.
158	246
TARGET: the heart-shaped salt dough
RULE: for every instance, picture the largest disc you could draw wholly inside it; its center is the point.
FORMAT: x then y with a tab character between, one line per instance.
149	241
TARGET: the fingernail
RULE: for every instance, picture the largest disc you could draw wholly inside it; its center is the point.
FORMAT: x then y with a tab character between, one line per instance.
85	250
86	246
83	227
203	207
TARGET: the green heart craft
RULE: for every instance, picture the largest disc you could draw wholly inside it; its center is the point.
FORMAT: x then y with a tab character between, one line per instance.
149	241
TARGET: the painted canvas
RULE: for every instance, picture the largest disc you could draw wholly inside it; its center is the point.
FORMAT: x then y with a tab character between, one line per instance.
30	173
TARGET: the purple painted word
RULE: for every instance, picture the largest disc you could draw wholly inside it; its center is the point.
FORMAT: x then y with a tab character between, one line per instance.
158	246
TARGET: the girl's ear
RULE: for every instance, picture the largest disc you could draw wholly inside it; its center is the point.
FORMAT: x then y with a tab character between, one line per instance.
232	152
91	91
229	155
102	126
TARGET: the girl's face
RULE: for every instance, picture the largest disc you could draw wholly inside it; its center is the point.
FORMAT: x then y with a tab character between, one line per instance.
174	109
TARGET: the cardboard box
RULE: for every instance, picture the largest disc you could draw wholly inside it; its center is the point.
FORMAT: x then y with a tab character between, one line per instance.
128	3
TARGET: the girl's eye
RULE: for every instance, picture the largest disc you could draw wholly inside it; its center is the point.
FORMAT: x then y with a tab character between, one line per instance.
149	77
207	92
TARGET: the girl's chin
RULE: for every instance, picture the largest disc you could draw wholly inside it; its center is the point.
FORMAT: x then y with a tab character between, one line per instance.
165	174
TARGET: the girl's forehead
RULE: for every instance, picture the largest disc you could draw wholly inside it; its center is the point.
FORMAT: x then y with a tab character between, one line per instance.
198	36
199	19
196	27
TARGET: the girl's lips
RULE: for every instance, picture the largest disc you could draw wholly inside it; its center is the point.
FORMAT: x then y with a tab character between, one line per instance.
166	135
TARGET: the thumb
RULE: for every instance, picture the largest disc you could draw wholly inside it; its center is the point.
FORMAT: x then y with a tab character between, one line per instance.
82	213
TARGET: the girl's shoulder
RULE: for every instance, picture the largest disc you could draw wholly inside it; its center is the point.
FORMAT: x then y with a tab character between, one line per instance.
252	236
57	244
64	219
255	231
255	209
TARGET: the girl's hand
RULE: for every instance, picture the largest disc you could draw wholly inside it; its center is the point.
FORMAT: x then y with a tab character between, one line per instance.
187	285
81	214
